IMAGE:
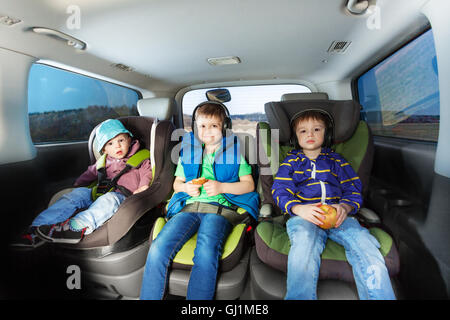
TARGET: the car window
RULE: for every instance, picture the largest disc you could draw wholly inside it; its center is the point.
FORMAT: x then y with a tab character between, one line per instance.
246	106
64	106
400	95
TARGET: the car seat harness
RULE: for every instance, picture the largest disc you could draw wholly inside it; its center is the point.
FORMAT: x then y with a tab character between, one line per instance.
105	185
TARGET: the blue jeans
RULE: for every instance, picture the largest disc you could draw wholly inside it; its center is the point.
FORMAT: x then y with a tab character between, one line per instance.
361	248
212	232
94	216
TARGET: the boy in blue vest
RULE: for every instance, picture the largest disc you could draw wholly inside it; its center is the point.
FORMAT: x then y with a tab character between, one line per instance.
208	208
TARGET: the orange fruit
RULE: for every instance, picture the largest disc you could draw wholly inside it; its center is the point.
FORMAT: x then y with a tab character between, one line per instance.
330	216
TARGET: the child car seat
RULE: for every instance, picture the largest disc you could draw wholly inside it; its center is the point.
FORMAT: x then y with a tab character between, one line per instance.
233	264
113	256
269	260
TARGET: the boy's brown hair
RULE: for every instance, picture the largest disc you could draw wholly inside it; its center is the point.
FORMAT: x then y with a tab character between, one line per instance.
326	119
311	114
211	110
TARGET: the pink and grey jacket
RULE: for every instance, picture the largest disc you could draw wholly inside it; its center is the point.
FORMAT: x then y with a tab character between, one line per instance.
327	179
131	180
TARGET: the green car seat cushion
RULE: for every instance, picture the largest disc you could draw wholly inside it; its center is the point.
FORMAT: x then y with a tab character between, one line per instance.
232	249
354	149
272	245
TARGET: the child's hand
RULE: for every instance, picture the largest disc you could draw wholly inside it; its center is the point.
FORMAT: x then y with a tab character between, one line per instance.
342	210
192	189
309	212
213	187
143	188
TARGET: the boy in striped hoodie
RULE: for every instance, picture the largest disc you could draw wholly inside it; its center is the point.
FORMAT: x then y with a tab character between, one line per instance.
314	174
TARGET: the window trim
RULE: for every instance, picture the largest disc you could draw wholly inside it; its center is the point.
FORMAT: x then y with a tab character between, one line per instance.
354	83
89	76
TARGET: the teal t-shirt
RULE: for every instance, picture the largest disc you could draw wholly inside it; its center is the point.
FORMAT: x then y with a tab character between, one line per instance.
208	173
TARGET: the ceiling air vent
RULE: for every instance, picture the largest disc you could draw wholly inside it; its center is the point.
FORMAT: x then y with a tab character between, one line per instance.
339	47
122	67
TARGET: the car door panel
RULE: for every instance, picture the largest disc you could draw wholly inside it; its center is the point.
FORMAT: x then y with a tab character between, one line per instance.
403	182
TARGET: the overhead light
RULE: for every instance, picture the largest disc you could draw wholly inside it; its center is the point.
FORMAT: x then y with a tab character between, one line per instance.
220	61
357	7
70	41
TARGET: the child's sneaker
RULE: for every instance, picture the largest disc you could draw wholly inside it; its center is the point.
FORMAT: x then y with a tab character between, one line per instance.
27	240
60	233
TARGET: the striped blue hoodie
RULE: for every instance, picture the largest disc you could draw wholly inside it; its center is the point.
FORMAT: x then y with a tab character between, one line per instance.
328	179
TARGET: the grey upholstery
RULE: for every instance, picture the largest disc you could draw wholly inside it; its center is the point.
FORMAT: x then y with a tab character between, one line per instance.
159	108
305	96
230	284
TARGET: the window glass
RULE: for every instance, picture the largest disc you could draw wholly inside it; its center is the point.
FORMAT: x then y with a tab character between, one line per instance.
400	95
64	106
246	106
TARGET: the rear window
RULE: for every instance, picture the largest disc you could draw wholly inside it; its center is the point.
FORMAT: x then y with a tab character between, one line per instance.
400	95
64	106
246	106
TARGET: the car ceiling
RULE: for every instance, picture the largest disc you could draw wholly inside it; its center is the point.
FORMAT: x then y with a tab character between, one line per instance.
167	43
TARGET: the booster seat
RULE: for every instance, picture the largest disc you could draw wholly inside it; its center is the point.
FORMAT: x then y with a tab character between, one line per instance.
233	264
353	140
113	256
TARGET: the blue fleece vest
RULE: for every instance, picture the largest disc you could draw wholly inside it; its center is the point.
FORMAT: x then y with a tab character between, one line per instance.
225	167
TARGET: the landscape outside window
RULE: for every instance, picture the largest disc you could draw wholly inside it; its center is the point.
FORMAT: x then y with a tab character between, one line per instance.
400	95
65	106
246	106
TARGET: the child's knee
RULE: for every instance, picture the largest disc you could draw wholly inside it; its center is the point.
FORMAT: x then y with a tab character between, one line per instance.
78	194
158	253
301	230
111	197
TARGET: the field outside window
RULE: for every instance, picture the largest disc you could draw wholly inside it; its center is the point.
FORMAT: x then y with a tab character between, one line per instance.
400	95
64	106
246	106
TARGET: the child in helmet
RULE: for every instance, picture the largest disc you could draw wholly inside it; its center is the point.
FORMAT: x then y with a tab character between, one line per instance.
56	224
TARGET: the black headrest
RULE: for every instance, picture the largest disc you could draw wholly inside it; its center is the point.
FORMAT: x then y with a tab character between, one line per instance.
345	114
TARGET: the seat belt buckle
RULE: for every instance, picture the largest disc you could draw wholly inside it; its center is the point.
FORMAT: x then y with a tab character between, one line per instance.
104	187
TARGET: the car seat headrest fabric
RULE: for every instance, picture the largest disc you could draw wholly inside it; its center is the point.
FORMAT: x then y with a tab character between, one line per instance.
139	126
305	96
345	114
159	108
